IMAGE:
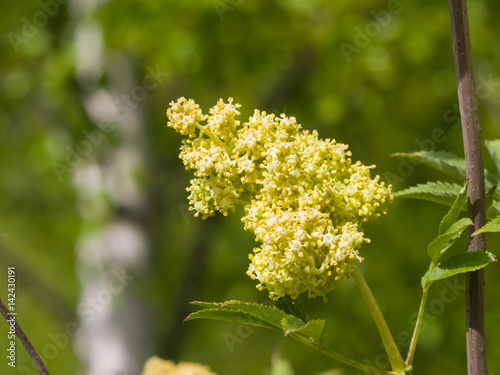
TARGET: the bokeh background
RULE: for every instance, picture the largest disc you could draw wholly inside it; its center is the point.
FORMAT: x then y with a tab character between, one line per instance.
93	208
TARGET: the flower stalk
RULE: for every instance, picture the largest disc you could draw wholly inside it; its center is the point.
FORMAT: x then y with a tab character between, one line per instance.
397	363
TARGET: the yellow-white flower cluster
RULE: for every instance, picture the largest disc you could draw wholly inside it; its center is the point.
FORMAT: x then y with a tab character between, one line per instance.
158	366
304	199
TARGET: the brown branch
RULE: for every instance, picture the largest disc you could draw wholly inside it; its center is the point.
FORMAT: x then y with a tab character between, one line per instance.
471	129
24	339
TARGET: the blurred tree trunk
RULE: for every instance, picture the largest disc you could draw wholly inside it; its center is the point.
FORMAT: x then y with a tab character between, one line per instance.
112	249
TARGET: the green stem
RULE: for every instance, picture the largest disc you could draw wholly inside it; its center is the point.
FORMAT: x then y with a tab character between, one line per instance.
341	358
397	363
418	325
217	141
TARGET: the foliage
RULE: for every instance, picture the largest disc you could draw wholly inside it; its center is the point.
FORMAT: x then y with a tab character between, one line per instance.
312	332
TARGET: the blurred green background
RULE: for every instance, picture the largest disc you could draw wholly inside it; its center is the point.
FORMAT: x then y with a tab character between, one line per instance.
91	186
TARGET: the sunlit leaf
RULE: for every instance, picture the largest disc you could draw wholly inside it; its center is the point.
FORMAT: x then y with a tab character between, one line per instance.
207	305
491	226
268	313
314	329
443	161
438	192
443	242
229	315
240	312
442	193
459	263
455	210
446	162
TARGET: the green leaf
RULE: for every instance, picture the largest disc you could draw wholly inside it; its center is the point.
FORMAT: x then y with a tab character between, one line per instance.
260	315
443	161
292	306
267	313
207	305
488	199
249	313
459	263
493	147
228	315
491	226
443	242
314	329
494	210
448	163
455	210
291	323
437	192
442	193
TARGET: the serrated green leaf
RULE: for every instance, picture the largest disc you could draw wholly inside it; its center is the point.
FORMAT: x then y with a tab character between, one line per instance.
491	226
229	315
455	210
437	192
314	329
448	163
207	305
267	313
493	147
442	193
292	306
443	242
443	161
245	312
459	263
259	315
290	324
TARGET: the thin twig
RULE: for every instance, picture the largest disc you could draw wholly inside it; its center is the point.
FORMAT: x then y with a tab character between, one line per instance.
471	129
22	337
418	326
341	358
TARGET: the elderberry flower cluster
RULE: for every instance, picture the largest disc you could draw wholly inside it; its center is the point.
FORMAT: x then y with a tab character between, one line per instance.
304	199
158	366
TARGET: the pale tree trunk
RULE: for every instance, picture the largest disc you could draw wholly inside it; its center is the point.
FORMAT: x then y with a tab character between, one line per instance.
112	250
